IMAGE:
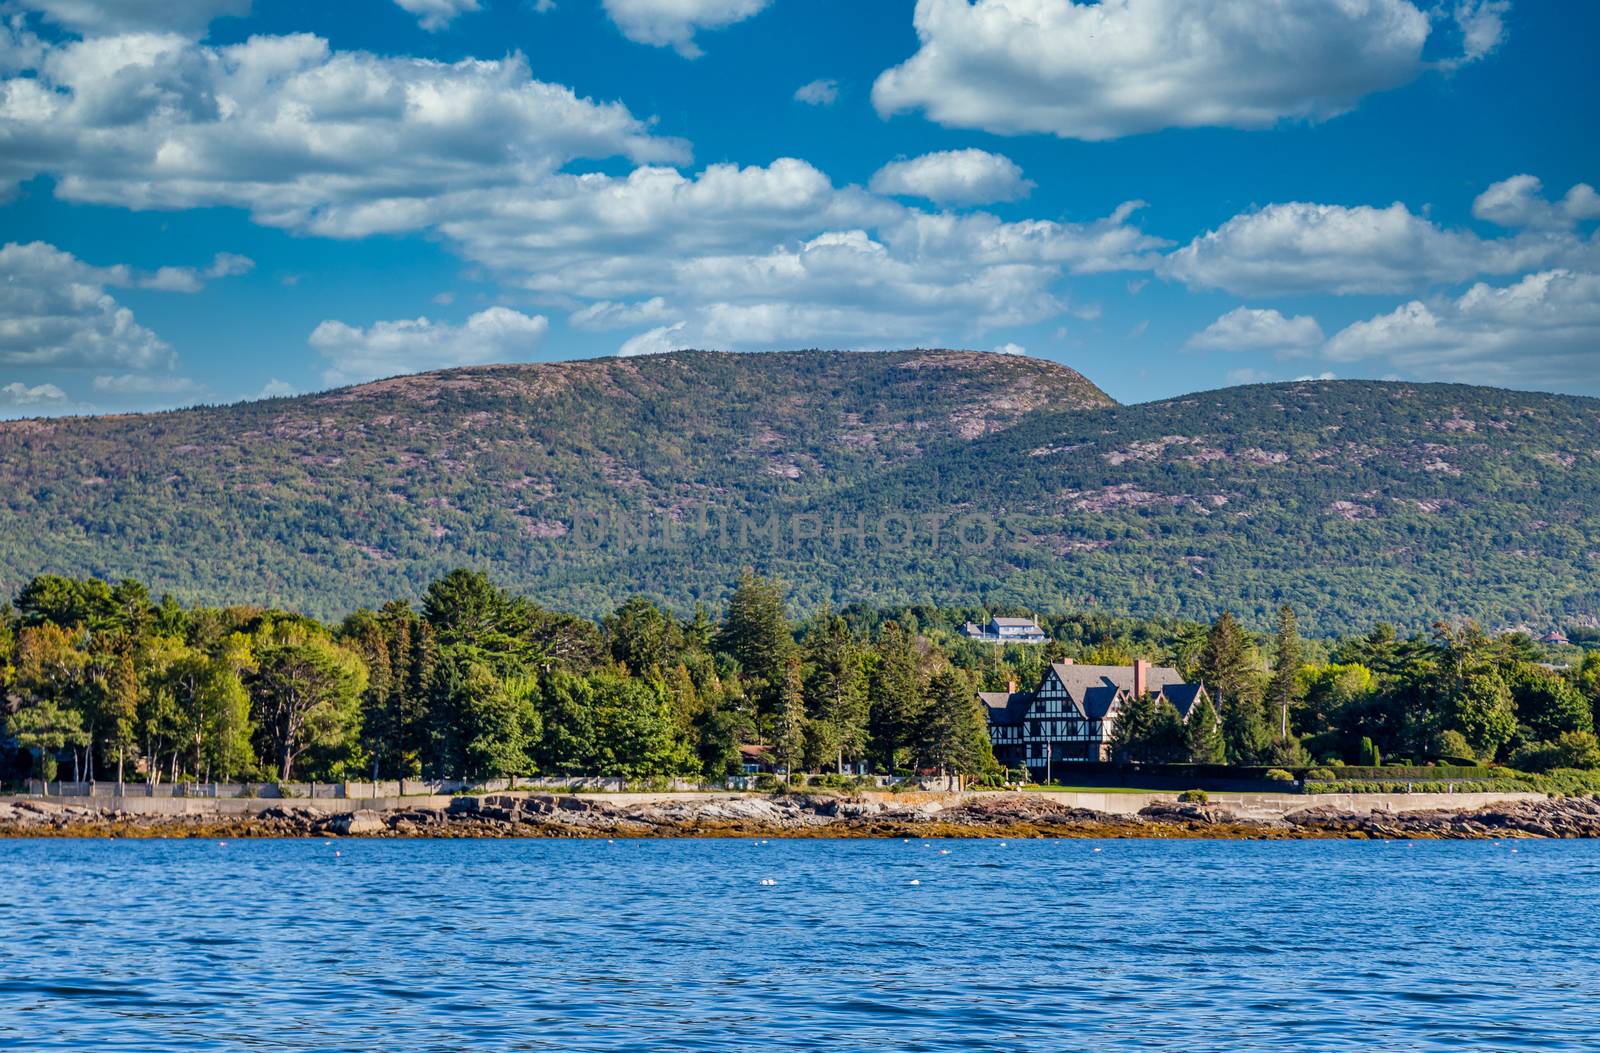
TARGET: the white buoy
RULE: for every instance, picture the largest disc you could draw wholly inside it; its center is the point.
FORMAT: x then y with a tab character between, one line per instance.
1097	850
768	881
914	881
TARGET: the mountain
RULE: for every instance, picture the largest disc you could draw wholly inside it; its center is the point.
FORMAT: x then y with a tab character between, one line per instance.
915	476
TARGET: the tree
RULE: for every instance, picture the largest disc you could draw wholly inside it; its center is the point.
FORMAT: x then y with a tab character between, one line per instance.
643	637
498	719
1283	688
1148	730
836	692
895	697
1202	734
755	632
114	699
954	736
635	735
789	732
47	726
1549	704
306	691
1227	668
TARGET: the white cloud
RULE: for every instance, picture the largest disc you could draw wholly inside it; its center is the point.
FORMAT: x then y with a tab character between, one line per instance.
190	280
818	93
1248	375
1255	329
1010	348
17	395
1543	329
434	15
608	315
383	349
1304	247
1324	375
1482	25
656	341
55	310
673	23
336	143
955	177
1519	202
1123	67
275	389
132	384
108	17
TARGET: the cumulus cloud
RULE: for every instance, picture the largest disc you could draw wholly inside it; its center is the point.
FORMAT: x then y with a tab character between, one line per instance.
954	177
1520	202
434	15
383	349
55	311
818	93
1010	348
1123	67
140	384
39	397
335	143
275	389
109	17
1256	329
673	23
1304	247
657	341
1543	329
608	315
191	280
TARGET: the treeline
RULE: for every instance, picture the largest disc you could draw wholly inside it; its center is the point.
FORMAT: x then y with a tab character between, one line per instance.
476	682
1455	696
473	682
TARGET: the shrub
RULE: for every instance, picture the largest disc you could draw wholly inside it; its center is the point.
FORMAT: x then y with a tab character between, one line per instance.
1194	797
767	782
1279	775
1572	749
1368	756
1451	747
1320	774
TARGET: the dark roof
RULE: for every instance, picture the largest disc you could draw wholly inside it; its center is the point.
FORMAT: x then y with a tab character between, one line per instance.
1079	678
754	751
1183	697
1006	707
1097	701
1017	623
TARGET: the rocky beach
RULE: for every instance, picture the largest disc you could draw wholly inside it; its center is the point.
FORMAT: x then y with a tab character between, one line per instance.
818	816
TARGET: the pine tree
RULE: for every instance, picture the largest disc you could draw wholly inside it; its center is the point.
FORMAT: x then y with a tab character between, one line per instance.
954	736
789	734
1202	735
836	692
1282	690
755	631
894	697
1226	668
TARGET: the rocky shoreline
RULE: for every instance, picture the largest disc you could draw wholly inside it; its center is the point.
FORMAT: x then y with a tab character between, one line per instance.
801	815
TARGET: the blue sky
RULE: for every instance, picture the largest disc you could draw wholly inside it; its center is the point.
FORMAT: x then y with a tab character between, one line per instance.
211	200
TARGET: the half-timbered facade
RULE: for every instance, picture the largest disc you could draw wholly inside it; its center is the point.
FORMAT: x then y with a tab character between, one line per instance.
1071	714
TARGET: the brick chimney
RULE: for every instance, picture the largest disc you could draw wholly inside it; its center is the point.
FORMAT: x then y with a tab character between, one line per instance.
1141	677
1069	661
1011	687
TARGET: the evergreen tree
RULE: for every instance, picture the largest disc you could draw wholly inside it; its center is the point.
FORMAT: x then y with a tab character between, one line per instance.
1131	727
836	693
789	731
1202	735
755	632
895	698
954	735
1283	688
1549	704
1227	668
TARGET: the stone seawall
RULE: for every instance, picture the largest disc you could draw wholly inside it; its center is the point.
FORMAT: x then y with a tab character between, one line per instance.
1252	806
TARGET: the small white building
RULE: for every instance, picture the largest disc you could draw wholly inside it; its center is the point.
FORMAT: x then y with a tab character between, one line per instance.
1007	631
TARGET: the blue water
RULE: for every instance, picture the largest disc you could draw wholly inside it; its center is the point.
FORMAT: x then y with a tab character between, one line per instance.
386	946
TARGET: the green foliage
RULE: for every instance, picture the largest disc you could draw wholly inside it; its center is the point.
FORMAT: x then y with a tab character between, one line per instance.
1202	735
1279	775
1368	755
1571	749
1194	797
954	737
321	503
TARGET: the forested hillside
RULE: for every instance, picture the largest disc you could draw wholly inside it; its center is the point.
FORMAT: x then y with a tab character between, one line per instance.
908	477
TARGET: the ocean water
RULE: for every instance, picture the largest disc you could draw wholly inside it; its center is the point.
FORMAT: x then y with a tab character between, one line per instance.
387	946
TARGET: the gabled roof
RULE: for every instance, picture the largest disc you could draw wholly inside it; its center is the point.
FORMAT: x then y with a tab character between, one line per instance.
1016	623
1006	707
1183	697
1079	678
